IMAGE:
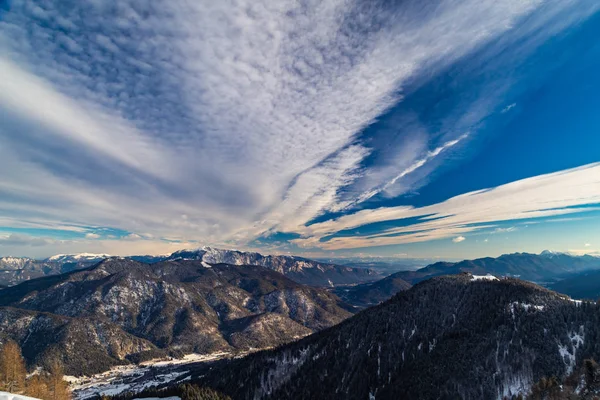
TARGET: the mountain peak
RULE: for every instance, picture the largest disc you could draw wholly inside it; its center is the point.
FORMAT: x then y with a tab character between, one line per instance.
77	257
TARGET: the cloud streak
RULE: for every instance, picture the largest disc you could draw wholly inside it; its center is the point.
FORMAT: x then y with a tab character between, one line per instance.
222	121
559	193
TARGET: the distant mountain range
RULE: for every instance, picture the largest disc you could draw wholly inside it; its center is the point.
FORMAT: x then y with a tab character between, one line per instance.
583	285
576	276
461	336
14	270
372	293
122	309
540	268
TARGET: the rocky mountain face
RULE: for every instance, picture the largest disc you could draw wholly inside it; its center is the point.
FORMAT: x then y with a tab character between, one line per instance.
298	269
183	305
86	346
462	336
540	268
371	293
14	270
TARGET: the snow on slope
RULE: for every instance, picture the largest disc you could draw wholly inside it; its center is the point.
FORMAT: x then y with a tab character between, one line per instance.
77	257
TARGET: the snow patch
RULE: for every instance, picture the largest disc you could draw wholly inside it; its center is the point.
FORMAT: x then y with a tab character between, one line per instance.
568	352
527	306
515	385
11	396
488	277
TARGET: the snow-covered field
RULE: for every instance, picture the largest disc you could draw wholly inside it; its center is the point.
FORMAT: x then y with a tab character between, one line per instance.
11	396
135	378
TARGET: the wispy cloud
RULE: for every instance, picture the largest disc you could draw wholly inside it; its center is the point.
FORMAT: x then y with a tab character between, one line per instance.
508	108
458	239
506	230
220	121
559	193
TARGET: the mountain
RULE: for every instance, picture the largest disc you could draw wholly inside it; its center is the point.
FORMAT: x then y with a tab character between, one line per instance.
77	258
543	268
372	293
150	259
183	305
462	336
15	270
585	285
298	269
86	346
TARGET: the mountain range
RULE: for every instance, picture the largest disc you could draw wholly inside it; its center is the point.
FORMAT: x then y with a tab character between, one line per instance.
541	268
479	333
371	293
121	309
576	276
461	336
14	270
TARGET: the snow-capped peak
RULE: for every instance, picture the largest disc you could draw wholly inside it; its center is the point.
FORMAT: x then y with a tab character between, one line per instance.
549	253
77	257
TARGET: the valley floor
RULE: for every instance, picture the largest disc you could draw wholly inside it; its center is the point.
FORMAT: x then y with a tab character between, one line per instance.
135	378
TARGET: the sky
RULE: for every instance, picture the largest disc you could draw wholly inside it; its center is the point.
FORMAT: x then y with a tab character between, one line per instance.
331	128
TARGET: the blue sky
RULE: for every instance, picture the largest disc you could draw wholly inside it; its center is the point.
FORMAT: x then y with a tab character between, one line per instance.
452	129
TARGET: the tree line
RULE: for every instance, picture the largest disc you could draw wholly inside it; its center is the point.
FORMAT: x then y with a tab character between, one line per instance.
43	383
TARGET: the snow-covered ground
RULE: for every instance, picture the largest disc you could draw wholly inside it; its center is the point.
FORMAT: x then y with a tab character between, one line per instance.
11	396
488	277
135	378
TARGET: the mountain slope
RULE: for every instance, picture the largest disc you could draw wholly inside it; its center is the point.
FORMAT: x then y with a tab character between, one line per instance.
186	305
448	337
372	293
585	285
544	267
84	346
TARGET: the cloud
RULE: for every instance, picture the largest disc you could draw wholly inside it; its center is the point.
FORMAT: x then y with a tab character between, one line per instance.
561	193
243	116
16	240
587	245
92	236
411	168
508	108
458	239
506	230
